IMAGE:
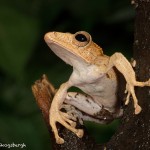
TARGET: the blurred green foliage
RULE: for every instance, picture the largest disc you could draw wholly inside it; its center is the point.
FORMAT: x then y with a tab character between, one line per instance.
24	57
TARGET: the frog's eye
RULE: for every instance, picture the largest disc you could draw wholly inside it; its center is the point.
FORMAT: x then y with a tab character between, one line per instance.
81	38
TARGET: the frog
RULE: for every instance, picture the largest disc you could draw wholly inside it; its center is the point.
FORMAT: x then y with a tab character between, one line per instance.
94	73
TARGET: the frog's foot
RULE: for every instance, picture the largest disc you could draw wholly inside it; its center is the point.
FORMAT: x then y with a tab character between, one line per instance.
68	118
142	84
73	113
130	91
62	118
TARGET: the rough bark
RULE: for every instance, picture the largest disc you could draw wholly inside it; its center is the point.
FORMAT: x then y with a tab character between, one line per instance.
134	131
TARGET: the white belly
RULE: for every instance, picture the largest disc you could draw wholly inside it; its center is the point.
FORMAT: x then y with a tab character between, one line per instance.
103	91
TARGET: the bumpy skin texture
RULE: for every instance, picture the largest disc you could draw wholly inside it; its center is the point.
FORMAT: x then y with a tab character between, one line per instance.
93	73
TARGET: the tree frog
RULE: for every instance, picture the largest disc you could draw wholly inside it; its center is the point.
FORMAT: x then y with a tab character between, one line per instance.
94	73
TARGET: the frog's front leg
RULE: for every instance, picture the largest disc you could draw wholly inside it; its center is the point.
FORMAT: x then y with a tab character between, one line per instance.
122	64
57	116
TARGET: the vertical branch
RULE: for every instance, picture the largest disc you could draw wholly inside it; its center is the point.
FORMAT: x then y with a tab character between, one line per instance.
142	47
134	132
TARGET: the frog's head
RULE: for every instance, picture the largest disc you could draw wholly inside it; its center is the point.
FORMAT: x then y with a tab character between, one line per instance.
73	47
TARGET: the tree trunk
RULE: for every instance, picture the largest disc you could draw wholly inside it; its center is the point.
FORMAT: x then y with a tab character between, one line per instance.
134	132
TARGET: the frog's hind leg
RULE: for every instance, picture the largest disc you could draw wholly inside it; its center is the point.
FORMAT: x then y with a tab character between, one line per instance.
85	108
83	102
68	118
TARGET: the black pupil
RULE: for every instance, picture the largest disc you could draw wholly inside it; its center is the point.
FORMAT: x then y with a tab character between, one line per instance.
81	37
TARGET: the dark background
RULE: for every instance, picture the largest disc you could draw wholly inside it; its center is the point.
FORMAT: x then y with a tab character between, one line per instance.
24	57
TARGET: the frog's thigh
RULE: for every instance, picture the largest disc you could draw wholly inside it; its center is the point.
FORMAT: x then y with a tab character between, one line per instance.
83	102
